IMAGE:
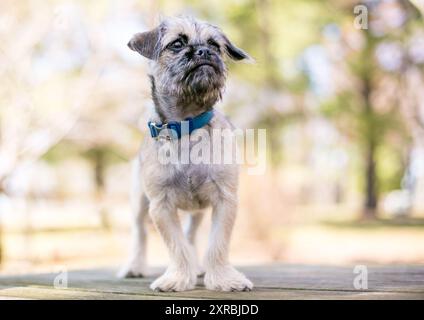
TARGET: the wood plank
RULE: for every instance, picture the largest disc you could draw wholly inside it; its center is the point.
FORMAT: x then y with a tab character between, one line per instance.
68	294
271	282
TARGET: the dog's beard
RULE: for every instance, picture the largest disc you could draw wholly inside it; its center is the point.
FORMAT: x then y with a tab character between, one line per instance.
202	79
199	82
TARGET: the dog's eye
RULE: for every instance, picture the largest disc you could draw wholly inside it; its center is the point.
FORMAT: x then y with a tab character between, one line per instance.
213	44
176	45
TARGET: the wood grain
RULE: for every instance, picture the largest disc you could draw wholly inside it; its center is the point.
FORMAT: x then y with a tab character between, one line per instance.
275	281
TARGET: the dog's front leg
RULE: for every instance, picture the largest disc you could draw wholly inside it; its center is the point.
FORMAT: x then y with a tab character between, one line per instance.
181	273
220	275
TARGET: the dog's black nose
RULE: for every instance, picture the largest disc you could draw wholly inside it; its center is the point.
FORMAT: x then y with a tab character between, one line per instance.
202	52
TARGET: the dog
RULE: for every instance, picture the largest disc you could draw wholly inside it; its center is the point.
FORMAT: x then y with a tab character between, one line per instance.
187	73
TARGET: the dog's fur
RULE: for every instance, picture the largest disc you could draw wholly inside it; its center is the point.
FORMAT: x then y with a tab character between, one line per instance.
187	78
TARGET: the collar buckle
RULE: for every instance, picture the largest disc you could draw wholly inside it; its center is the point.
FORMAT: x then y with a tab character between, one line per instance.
175	129
158	126
157	131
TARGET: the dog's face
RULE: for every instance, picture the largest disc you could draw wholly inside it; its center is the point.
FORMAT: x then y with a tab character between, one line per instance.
188	57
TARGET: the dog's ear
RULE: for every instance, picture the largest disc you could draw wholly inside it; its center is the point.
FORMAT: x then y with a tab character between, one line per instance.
235	53
146	43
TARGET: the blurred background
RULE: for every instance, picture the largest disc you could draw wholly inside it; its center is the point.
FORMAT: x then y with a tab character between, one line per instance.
342	100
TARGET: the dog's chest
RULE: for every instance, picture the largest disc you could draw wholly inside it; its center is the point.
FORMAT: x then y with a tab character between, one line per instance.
189	177
192	185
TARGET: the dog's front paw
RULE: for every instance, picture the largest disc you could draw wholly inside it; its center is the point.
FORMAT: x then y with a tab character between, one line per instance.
226	278
174	280
133	269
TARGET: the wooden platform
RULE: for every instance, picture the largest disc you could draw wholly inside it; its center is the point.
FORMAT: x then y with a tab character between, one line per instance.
271	282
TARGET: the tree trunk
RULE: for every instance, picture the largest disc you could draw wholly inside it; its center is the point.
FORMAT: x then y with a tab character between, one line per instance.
1	244
371	139
99	178
1	226
371	198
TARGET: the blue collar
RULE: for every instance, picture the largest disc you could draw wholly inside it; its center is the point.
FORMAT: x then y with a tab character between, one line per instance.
175	129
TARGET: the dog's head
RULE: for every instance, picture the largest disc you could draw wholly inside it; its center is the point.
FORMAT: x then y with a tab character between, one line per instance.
188	57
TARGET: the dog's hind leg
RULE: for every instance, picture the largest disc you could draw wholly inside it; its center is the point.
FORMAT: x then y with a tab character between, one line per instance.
192	226
136	265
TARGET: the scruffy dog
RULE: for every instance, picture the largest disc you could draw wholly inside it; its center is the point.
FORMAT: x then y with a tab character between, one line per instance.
187	78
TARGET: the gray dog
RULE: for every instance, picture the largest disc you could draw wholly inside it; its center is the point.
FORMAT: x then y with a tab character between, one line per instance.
187	78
